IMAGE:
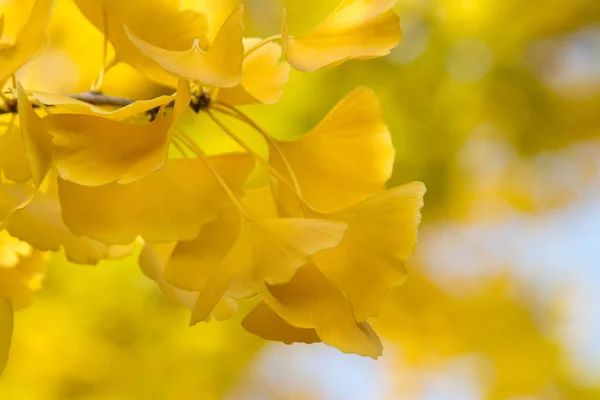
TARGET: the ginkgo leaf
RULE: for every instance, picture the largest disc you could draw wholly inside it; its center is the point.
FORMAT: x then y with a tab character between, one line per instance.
370	260
259	203
356	29
193	262
231	254
238	262
13	197
37	141
311	301
263	321
220	65
6	329
91	150
143	17
226	308
263	76
347	158
153	259
13	161
267	251
39	223
170	204
94	151
283	245
30	39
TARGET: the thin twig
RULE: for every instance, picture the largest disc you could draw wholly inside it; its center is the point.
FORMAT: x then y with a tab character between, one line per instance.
94	98
90	97
99	99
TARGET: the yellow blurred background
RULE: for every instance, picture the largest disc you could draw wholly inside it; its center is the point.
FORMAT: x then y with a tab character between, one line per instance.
494	104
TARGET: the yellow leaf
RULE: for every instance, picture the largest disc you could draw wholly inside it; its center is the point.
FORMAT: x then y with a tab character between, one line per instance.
266	323
237	263
13	197
283	245
167	205
193	262
263	76
30	39
13	161
259	203
356	29
143	17
37	141
311	301
370	260
231	254
347	158
266	251
226	308
91	150
39	223
152	261
6	329
220	65
216	12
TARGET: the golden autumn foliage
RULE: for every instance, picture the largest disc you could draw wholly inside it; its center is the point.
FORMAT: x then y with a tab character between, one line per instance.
240	174
102	178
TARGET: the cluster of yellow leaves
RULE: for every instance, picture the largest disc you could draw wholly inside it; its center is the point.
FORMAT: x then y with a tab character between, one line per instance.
320	245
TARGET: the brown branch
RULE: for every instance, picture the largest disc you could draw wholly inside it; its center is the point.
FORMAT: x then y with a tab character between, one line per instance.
94	98
90	97
99	99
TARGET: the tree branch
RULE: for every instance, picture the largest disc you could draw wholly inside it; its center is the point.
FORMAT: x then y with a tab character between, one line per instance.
90	97
99	99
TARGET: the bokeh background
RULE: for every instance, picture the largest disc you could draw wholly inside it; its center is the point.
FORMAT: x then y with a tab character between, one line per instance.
494	104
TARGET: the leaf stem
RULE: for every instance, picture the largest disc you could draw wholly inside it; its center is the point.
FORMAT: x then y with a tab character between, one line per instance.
272	170
97	84
273	143
202	156
264	42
